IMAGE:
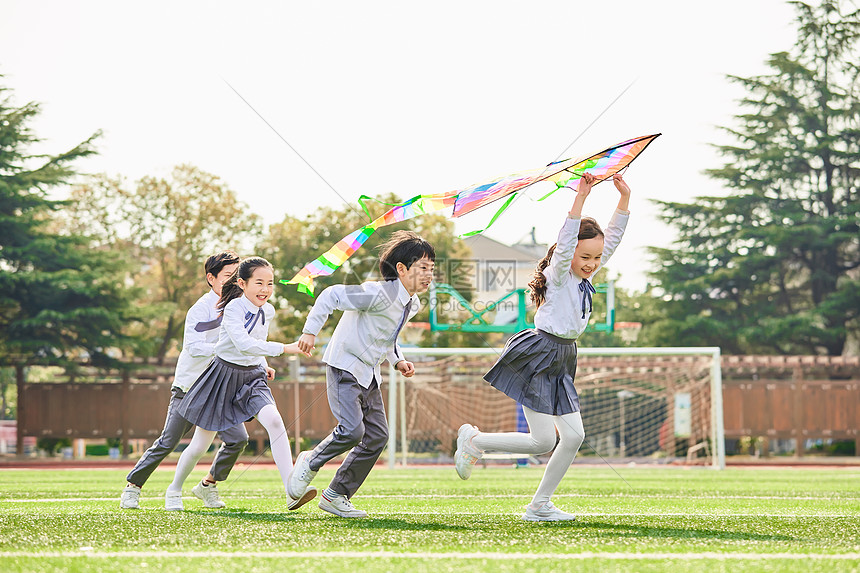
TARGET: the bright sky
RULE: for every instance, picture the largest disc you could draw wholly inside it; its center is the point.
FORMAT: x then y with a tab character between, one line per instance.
396	97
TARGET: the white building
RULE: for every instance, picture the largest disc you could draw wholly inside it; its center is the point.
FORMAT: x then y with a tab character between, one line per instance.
495	270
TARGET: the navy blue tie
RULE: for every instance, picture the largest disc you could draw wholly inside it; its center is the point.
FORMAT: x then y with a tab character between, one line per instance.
587	290
402	322
210	325
252	318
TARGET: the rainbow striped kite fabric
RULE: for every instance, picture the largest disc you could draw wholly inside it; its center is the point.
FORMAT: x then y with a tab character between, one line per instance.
332	259
602	165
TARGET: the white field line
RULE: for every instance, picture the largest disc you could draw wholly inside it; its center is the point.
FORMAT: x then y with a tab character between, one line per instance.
226	493
616	496
454	512
89	553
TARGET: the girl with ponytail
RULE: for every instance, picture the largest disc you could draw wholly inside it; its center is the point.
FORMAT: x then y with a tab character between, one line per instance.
234	389
537	366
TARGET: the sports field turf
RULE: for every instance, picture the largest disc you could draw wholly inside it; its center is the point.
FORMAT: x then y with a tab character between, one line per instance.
638	519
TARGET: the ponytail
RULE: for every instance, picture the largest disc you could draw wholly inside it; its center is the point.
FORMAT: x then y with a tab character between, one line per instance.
588	229
537	286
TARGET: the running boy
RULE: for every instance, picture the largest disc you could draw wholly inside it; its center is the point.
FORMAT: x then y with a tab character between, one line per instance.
374	314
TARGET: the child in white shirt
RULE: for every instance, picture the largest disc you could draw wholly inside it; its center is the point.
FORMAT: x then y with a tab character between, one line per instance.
198	346
537	366
233	388
374	313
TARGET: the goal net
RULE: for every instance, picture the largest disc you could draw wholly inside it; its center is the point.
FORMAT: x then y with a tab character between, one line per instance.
648	405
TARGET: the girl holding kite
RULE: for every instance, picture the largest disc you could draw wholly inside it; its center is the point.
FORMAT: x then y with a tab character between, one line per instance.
537	366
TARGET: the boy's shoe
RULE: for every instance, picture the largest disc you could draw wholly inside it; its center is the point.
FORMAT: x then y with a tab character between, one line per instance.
301	476
466	454
547	512
173	500
209	495
341	507
309	494
130	498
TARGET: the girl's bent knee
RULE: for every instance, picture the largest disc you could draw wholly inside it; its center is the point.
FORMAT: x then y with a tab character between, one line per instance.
544	444
571	440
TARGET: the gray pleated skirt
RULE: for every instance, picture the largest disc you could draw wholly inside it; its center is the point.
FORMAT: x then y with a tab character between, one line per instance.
536	369
225	395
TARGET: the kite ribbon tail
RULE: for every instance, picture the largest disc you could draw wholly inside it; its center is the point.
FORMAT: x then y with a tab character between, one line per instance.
364	198
303	280
493	220
331	260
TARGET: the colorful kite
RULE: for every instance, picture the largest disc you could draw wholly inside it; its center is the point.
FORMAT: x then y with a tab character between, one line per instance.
602	165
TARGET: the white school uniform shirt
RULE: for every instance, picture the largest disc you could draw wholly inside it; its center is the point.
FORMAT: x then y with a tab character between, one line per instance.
367	332
202	323
561	312
244	328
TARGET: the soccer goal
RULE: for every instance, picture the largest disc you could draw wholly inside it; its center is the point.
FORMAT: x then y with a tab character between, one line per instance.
643	405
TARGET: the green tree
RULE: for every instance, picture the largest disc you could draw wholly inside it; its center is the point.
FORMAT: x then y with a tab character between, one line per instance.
167	227
772	266
61	299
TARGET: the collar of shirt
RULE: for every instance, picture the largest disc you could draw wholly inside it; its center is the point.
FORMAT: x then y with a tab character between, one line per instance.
250	306
252	309
402	294
212	298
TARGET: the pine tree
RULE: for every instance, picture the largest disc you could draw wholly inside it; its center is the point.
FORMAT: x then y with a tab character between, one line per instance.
772	266
59	300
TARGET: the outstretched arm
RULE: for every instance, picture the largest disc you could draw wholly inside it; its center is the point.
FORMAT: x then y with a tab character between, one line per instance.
338	297
233	325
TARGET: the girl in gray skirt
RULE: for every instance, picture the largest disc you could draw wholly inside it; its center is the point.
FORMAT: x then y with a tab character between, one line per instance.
537	366
233	389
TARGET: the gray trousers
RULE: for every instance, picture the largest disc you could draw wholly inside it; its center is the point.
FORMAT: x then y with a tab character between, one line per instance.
175	427
361	427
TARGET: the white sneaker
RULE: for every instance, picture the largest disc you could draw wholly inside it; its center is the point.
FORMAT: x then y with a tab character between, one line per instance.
209	495
173	500
341	506
547	512
466	454
130	498
309	494
301	476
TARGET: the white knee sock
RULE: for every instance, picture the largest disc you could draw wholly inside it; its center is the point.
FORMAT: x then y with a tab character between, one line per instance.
279	442
199	444
539	440
571	435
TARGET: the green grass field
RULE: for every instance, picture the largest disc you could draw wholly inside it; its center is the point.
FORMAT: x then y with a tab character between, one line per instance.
638	519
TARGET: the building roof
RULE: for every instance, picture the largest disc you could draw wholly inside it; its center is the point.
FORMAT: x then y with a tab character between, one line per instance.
485	248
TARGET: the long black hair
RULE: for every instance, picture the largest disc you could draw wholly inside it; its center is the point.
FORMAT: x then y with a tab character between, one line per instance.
403	247
588	229
231	288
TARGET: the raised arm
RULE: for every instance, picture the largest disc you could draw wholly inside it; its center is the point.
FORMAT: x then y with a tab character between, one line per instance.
615	230
624	190
559	264
582	191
